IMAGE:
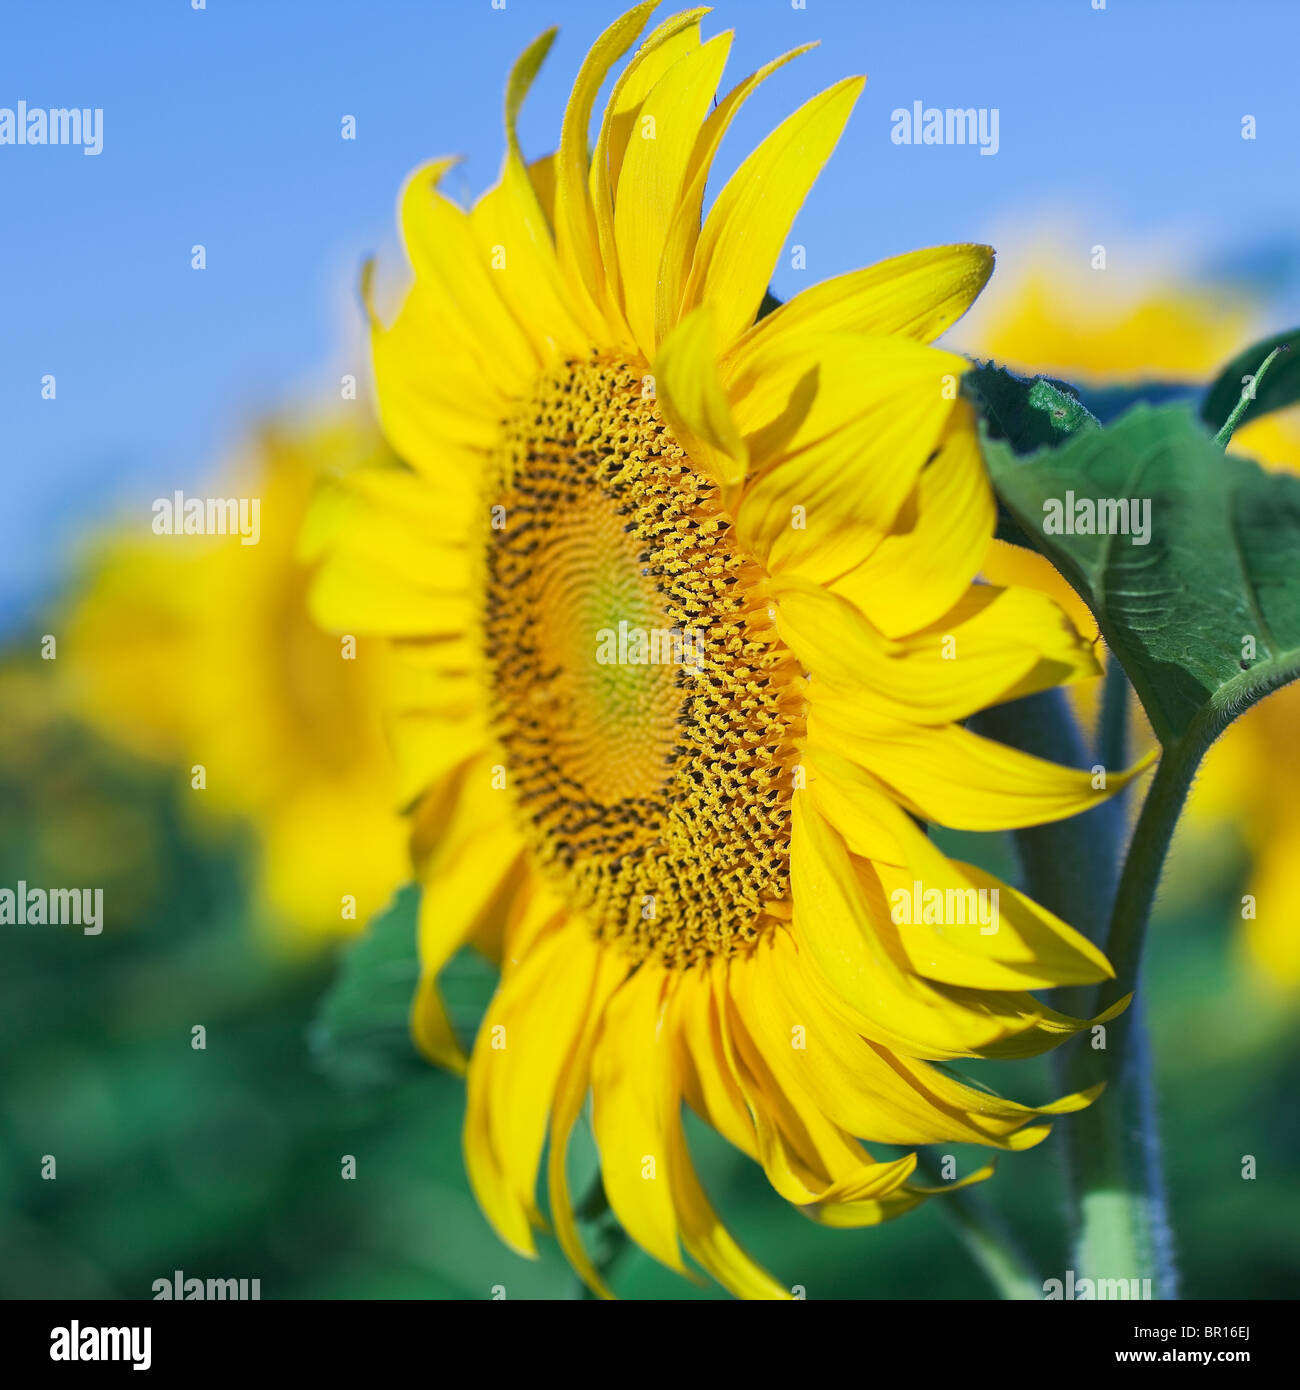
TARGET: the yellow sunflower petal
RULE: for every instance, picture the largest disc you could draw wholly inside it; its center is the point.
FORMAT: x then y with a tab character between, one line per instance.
707	1080
449	260
473	875
858	967
953	777
995	645
515	238
571	1091
827	494
917	295
683	233
951	513
854	1215
629	1116
521	1048
746	227
650	183
676	38
576	239
864	1087
1014	566
808	1156
1022	946
706	1238
691	397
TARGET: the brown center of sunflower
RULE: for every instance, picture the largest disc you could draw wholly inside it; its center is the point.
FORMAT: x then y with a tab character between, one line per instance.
647	710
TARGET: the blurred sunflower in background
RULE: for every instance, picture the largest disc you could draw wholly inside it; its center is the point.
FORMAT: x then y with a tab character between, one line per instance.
1098	329
197	651
686	867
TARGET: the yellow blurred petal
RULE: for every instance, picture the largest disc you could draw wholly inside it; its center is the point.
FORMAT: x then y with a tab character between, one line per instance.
473	876
1272	941
351	596
449	259
429	744
1066	320
440	410
393	521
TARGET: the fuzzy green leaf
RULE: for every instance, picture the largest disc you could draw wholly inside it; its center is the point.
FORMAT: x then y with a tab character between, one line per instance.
1205	615
1027	413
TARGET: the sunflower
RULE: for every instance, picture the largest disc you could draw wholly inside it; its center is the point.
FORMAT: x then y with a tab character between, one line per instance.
198	650
1174	330
692	867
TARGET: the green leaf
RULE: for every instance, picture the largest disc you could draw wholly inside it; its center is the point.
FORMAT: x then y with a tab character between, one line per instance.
1027	413
1204	616
361	1036
1279	388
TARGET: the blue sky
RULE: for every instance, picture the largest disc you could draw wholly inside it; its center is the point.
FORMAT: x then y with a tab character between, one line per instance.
222	127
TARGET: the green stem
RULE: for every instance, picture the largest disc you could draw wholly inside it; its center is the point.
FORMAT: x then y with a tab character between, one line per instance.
1247	398
987	1240
1112	1151
1112	724
1143	865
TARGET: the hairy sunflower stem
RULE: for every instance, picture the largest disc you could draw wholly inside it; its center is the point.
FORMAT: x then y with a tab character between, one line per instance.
986	1238
1112	1147
1112	724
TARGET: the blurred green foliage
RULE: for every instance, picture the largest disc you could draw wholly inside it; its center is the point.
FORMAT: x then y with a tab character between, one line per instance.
227	1161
